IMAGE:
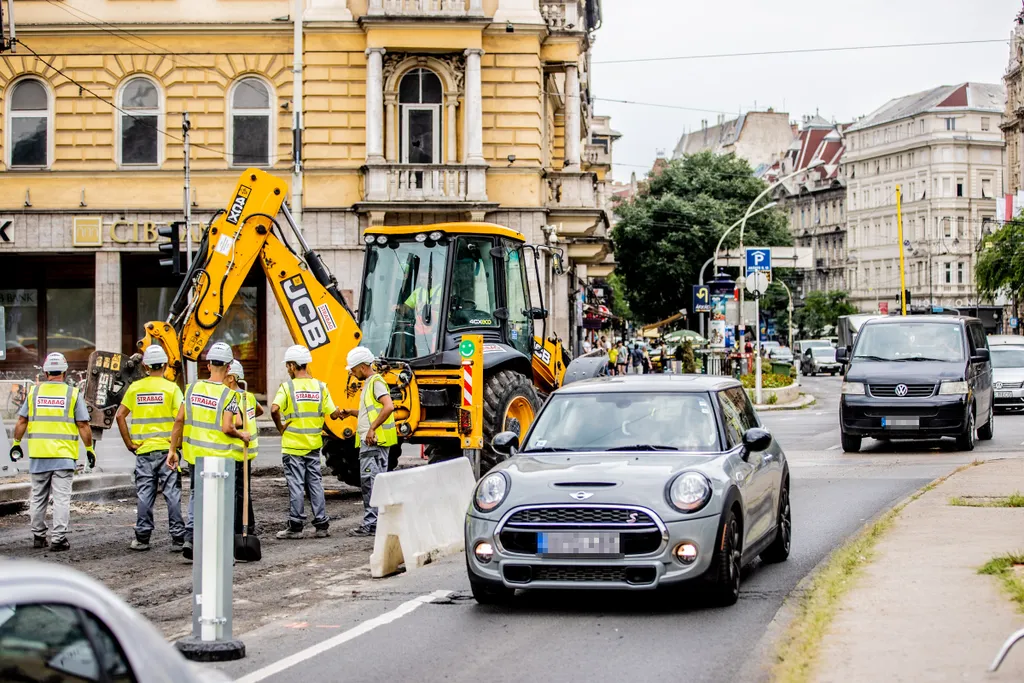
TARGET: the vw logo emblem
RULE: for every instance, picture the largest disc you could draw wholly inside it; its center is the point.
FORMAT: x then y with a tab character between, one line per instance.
580	495
999	385
901	390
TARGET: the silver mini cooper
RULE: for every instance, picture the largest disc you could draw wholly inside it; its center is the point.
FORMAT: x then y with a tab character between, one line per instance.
632	483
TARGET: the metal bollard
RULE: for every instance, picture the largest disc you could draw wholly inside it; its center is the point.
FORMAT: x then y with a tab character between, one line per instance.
212	568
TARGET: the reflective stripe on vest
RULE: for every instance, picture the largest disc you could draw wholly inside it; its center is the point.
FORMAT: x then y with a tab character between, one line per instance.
250	425
305	416
204	409
387	433
153	414
51	421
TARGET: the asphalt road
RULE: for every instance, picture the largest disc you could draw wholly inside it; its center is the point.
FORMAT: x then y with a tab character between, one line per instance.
425	625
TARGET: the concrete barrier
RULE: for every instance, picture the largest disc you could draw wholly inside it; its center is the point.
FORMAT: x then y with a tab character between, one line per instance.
421	512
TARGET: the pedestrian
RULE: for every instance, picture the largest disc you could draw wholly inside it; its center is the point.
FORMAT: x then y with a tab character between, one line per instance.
253	409
300	408
153	402
205	427
55	417
375	430
611	360
645	361
636	357
622	359
603	343
587	346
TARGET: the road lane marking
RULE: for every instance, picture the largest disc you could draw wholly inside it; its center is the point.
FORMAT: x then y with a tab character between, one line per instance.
383	620
833	448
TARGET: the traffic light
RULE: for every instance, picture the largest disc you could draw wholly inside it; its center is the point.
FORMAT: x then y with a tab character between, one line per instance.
171	250
906	297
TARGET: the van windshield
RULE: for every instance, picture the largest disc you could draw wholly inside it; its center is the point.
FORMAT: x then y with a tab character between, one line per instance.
910	341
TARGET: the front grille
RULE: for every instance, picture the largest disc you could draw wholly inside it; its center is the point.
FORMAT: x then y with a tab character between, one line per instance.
634	576
1009	385
913	390
581	516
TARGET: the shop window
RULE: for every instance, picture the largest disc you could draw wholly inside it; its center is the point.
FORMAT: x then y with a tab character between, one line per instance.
71	323
140	123
419	100
250	123
29	125
21	324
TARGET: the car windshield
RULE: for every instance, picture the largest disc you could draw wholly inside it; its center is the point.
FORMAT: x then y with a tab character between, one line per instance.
402	292
1007	356
817	344
908	341
625	420
823	353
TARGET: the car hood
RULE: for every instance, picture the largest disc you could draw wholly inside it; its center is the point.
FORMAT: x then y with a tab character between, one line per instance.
908	372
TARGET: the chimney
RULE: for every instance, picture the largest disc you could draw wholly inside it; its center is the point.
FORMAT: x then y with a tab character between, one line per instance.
632	184
704	124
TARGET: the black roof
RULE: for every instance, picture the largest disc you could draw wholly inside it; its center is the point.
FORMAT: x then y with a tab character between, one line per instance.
657	382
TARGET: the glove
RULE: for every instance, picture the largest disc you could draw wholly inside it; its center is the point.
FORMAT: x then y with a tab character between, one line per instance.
16	452
90	453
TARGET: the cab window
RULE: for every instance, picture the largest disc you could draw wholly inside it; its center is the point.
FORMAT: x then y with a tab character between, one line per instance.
473	299
518	301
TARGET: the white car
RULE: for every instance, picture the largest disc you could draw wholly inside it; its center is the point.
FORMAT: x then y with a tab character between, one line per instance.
1008	376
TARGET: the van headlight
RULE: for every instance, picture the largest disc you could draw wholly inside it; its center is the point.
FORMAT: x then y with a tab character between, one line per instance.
491	491
853	388
689	492
955	388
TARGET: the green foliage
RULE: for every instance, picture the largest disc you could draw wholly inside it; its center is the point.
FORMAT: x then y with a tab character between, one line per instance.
619	304
769	380
773	399
689	362
1000	266
821	310
667	232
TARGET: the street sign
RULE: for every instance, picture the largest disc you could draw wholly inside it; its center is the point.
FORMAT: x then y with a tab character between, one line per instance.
757	282
701	299
883	307
1013	322
759	259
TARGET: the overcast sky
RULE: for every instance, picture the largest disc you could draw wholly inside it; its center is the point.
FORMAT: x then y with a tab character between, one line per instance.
842	85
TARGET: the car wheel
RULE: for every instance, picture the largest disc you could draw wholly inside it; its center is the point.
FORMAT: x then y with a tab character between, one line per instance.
726	567
965	442
850	443
987	430
488	592
778	551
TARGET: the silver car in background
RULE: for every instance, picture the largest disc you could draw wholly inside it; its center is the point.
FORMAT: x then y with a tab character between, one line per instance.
632	483
1008	376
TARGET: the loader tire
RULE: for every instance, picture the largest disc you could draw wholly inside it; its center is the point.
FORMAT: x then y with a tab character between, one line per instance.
342	460
510	404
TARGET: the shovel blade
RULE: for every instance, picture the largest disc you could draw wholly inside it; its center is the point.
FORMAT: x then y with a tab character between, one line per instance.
248	548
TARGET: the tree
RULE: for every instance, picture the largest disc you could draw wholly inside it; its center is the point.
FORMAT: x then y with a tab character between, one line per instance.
821	310
619	304
1000	266
667	232
689	361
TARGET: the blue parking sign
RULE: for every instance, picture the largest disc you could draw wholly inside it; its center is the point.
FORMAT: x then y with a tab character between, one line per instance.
759	258
1014	323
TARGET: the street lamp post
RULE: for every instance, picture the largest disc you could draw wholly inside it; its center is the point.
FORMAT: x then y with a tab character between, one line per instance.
789	309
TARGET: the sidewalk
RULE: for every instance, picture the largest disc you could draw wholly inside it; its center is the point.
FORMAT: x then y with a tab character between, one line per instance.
802	401
919	611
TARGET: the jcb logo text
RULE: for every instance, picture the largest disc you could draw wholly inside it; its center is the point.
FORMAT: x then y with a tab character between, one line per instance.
305	312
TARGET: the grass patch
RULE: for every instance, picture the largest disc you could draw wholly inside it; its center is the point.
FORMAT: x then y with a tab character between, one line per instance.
1011	580
1014	500
799	647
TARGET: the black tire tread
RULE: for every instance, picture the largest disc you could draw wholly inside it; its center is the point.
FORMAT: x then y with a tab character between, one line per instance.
721	592
499	389
777	550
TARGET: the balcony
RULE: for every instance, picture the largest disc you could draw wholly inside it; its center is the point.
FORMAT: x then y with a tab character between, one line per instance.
435	183
563	15
426	8
572	191
597	155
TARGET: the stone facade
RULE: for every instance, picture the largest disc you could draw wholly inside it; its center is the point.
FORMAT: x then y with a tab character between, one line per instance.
760	137
1013	116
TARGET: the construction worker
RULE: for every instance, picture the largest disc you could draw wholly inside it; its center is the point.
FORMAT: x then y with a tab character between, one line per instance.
375	431
253	410
205	426
300	407
55	419
153	402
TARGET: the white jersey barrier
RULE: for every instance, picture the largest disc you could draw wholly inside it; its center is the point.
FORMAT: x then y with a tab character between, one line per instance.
421	515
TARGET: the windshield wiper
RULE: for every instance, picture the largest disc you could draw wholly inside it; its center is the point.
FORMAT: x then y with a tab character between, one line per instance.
548	449
643	447
884	360
926	358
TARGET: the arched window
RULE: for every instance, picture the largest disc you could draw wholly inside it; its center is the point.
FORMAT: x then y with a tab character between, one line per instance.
140	123
29	125
419	100
250	123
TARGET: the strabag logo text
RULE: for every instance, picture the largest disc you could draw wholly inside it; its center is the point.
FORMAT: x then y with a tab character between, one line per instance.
309	396
149	399
238	205
51	402
204	401
313	330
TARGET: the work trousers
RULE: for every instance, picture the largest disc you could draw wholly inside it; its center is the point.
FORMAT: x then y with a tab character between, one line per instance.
372	461
152	473
302	473
58	484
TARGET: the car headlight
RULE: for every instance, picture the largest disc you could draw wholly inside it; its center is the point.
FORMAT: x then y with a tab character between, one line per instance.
689	492
491	491
953	388
853	388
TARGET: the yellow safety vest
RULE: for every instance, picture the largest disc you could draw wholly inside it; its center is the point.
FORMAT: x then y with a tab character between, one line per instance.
387	434
153	411
51	421
305	416
250	424
204	409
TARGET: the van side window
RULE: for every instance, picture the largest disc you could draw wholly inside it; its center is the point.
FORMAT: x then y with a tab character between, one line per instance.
977	334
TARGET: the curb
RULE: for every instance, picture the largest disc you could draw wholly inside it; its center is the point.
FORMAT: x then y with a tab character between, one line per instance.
804	401
758	667
86	487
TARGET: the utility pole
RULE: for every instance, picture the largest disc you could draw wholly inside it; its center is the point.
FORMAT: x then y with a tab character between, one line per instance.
8	42
297	114
899	236
191	370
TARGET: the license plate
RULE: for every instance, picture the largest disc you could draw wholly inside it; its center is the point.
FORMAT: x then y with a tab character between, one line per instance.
575	543
1004	394
900	422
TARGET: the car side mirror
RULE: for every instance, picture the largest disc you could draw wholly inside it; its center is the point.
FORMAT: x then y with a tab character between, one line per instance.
756	440
981	356
506	444
842	354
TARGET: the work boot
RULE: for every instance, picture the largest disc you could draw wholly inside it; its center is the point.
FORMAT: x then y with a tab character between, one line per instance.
289	534
323	533
60	546
139	545
362	531
38	541
177	544
186	550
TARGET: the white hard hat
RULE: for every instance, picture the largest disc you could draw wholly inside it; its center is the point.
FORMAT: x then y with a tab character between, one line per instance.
298	354
359	356
55	362
236	369
221	353
154	355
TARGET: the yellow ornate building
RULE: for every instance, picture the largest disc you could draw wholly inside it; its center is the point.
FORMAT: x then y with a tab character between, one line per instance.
411	111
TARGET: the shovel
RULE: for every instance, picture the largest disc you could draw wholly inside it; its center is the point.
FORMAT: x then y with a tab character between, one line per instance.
247	548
